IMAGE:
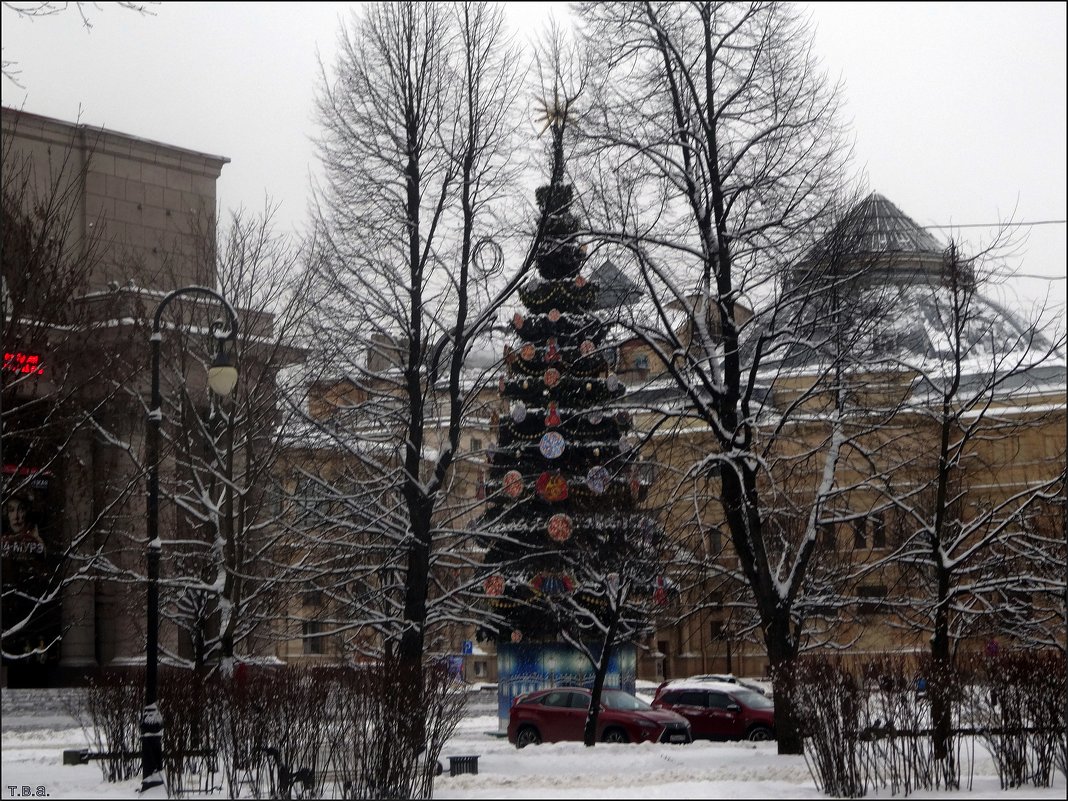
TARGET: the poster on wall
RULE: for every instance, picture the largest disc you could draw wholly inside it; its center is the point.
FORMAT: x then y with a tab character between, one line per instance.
30	569
526	667
24	513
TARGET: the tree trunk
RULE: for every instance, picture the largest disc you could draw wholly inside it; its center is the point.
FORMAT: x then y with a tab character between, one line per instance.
412	722
782	653
589	735
941	664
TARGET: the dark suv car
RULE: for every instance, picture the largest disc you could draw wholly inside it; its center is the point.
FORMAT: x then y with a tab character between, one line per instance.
560	714
718	710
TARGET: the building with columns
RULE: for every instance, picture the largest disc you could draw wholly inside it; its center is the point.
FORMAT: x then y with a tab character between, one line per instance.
97	226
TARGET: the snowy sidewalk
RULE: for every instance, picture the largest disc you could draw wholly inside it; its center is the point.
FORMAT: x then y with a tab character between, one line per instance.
36	733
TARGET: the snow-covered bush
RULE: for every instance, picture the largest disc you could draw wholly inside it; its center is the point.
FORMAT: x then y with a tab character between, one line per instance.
113	704
829	698
1018	710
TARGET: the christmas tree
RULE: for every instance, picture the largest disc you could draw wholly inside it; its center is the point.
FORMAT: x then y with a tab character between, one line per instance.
562	494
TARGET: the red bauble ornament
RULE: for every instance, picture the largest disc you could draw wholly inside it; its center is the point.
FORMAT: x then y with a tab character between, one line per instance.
552	487
494	586
554	315
580	281
552	352
513	483
517	636
552	377
528	352
560	528
587	347
517	320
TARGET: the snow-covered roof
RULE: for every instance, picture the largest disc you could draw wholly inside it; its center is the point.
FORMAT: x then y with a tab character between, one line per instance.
875	226
614	288
915	327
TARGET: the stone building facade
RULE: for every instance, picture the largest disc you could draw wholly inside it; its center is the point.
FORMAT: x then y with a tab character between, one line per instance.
98	226
706	628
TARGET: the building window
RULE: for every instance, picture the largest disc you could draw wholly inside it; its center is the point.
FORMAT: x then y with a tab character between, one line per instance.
715	541
878	531
313	639
870	598
823	610
860	533
481	669
641	362
476	444
314	497
646	473
312	595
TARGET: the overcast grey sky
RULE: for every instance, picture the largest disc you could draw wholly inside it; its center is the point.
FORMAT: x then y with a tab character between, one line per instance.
957	109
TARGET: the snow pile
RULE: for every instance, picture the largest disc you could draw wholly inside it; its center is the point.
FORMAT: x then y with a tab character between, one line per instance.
33	758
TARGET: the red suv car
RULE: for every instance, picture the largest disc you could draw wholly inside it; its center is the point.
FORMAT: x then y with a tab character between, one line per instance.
560	714
718	710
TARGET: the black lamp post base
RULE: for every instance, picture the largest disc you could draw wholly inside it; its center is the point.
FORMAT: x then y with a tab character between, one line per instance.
151	748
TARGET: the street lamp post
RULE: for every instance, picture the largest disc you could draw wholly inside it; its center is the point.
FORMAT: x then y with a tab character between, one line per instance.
222	377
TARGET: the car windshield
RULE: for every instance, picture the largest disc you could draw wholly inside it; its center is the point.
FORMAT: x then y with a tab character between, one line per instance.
753	699
617	699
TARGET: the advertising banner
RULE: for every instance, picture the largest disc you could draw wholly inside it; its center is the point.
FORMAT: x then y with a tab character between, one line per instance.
526	667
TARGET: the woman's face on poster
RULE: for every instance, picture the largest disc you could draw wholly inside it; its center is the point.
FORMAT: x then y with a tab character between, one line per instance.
16	512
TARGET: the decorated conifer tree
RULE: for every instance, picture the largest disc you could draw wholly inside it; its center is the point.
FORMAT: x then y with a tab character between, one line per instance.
562	494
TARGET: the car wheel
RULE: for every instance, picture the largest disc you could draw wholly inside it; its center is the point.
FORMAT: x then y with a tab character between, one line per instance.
759	734
615	736
527	735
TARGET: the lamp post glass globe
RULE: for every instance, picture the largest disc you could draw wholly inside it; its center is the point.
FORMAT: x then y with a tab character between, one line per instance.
222	378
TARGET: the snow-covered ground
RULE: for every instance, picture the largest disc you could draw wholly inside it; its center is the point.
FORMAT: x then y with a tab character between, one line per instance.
33	742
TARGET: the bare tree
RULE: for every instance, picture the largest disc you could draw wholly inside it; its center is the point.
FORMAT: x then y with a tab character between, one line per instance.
975	505
723	161
228	572
418	152
223	570
618	591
